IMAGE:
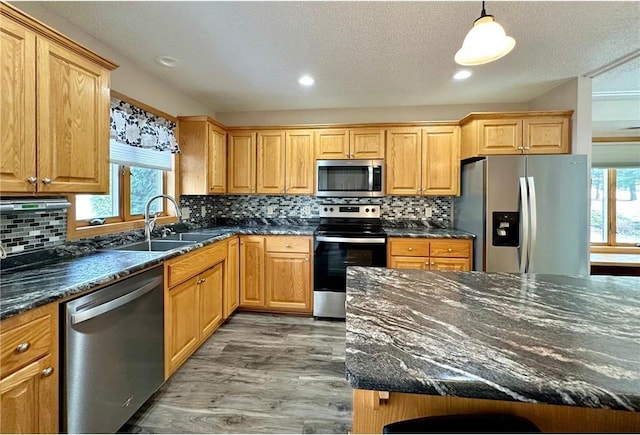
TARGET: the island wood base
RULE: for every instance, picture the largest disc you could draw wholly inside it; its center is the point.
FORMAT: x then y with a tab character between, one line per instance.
374	409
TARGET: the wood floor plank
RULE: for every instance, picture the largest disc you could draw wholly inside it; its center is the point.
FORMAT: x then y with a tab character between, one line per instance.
259	373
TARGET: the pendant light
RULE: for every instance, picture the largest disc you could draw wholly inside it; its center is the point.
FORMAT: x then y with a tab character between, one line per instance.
485	42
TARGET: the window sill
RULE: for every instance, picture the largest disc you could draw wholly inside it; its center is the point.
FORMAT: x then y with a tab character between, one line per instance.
117	227
615	249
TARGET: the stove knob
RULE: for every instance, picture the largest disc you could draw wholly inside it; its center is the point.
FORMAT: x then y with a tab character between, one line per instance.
373	210
367	210
331	209
325	209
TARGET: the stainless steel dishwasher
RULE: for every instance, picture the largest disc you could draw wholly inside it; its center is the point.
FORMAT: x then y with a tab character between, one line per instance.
113	353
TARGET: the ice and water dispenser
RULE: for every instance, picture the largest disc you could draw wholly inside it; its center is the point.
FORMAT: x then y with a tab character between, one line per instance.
506	228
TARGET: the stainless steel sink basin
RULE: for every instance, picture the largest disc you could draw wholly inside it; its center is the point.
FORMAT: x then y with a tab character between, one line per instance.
156	245
192	237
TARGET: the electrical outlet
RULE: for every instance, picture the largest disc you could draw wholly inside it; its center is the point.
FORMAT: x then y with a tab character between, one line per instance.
427	211
271	210
203	211
306	210
186	212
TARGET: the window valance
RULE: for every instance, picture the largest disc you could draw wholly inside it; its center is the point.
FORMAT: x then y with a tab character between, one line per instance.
134	126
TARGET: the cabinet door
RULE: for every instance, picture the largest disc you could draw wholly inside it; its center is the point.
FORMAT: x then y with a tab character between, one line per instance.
73	122
398	262
454	264
29	399
366	143
271	162
440	162
546	135
217	160
252	272
232	289
181	324
288	281
17	107
211	283
300	164
241	163
500	136
403	161
332	144
195	150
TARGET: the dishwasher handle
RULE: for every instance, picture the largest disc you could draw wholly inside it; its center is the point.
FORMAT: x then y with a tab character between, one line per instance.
116	303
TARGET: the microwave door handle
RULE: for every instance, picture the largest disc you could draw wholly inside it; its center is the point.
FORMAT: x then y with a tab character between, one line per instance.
370	168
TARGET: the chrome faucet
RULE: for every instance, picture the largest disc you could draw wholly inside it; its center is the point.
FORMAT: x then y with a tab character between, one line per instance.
149	224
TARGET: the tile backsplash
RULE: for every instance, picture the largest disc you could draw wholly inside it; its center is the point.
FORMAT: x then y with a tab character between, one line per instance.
30	231
271	206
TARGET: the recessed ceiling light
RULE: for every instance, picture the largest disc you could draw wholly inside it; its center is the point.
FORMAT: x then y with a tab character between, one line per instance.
167	61
306	80
461	75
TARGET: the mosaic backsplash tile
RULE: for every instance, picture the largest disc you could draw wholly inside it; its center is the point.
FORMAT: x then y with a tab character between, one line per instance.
270	206
21	232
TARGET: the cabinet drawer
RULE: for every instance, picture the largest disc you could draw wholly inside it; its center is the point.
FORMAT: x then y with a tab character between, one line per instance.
191	264
409	247
450	248
288	244
25	343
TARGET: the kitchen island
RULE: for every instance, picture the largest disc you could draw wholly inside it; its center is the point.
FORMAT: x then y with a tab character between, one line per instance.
562	351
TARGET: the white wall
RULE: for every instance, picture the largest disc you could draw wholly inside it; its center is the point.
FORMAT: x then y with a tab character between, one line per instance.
127	79
574	94
362	115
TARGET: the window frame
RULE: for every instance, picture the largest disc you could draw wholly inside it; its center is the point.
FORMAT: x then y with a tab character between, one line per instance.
78	229
611	245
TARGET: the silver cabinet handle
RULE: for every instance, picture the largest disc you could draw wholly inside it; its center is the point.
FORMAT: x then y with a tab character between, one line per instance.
47	372
306	259
46	180
449	249
32	180
410	248
433	263
287	246
203	280
23	347
374	240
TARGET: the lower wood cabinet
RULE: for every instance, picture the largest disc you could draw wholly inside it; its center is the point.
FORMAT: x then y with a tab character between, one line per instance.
430	254
29	372
232	288
276	273
195	285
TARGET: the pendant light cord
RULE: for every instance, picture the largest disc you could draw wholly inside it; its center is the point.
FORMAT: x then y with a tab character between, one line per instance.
484	13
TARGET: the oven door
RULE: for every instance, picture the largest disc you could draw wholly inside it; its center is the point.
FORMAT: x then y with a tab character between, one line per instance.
332	255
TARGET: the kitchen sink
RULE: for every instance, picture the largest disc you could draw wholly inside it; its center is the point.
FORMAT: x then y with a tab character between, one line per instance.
191	237
156	245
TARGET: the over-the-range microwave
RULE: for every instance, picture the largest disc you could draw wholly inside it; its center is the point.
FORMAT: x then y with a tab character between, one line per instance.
349	178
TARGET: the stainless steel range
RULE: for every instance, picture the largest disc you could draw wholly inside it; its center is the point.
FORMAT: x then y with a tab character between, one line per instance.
348	235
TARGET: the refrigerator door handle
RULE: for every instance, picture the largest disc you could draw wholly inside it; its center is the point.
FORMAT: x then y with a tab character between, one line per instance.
534	221
524	219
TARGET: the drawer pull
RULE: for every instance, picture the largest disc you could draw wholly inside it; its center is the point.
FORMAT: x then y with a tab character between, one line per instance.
410	248
47	372
23	347
46	180
433	263
287	246
450	249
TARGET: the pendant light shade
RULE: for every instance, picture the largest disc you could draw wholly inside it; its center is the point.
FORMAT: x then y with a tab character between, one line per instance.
485	42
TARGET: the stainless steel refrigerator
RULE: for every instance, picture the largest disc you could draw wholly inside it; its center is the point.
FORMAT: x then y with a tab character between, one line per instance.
529	213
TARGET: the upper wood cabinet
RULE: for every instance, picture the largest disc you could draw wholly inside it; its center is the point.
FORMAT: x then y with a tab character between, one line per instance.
55	113
359	143
485	134
203	156
423	161
270	161
241	162
299	162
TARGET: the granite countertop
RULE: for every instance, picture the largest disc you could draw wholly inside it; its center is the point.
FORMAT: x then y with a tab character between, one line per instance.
26	288
531	338
427	233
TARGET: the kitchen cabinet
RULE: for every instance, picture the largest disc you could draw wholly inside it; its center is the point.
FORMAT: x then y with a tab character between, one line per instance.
429	254
485	134
285	162
232	288
194	288
203	156
55	117
29	372
359	143
241	162
423	161
276	273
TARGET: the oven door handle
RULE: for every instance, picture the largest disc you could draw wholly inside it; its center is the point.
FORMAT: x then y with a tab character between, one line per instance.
376	240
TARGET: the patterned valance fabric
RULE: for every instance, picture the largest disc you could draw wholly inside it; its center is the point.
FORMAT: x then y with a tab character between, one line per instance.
134	126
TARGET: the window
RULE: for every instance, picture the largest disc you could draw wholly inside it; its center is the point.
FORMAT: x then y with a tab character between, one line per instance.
615	207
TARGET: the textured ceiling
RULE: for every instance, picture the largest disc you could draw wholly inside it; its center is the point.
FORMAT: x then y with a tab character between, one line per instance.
247	56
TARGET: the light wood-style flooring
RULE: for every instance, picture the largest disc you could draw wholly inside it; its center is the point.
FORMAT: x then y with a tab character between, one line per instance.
258	373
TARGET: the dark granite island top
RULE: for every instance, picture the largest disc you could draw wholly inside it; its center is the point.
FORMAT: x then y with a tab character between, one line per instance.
546	339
